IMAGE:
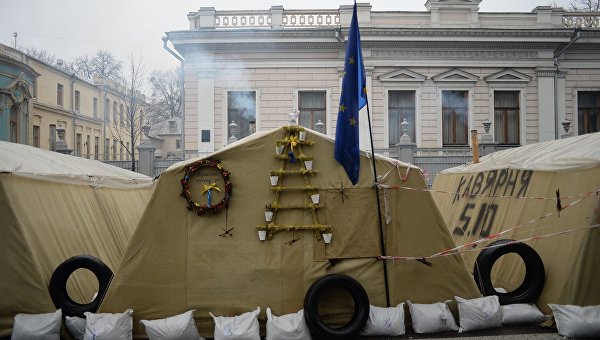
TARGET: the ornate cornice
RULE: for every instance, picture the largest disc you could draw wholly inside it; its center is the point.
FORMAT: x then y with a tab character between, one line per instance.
456	54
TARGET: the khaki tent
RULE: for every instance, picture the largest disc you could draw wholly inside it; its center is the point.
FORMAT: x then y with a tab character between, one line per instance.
178	260
514	191
53	207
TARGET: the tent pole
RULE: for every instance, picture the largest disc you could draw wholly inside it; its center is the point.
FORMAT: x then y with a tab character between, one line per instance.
381	238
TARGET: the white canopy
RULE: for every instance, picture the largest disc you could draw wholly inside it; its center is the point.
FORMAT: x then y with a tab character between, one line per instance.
558	155
56	167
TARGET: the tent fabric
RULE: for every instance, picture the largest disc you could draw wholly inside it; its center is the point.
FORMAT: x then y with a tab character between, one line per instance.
60	168
521	197
44	222
578	152
177	260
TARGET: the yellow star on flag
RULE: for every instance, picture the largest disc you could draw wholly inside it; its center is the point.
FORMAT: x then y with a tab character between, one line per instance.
352	121
352	61
342	107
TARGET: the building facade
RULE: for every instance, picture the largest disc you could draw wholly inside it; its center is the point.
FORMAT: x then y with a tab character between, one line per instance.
60	111
439	73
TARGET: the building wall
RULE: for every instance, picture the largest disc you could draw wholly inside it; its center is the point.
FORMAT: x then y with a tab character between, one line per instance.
278	60
46	114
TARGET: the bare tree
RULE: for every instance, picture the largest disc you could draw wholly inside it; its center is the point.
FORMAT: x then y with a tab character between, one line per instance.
41	55
165	98
585	6
103	63
133	116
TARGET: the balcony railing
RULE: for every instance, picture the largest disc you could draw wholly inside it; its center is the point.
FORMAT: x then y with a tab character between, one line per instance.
581	20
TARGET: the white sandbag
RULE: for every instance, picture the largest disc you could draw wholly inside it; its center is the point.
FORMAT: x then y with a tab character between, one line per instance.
577	321
37	326
107	326
287	327
480	313
239	327
385	321
178	327
76	327
521	314
431	318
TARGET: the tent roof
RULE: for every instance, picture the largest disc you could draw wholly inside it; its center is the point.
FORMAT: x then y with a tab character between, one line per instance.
578	152
27	161
261	134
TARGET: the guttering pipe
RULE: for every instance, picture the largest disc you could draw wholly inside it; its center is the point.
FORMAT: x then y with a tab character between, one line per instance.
339	37
165	39
557	53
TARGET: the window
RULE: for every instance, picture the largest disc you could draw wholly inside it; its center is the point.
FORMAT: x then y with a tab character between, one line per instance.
52	139
506	117
106	149
241	109
14	125
114	147
96	147
78	145
115	113
205	138
107	110
588	111
36	136
77	101
121	152
455	113
122	115
178	144
311	106
401	106
59	95
87	146
95	107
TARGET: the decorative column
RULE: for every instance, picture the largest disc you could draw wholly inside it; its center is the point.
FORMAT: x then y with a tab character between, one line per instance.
61	144
406	149
146	154
566	125
232	132
487	144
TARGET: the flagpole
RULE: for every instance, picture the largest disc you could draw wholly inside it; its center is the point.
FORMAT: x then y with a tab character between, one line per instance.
381	237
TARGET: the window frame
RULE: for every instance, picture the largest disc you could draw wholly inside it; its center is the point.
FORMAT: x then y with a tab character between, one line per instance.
60	95
575	121
469	120
327	113
226	121
521	120
417	95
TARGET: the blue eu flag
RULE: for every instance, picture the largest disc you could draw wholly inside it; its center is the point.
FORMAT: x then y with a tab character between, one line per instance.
352	99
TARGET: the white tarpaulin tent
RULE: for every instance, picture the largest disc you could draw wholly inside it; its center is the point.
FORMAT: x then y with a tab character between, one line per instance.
514	192
53	207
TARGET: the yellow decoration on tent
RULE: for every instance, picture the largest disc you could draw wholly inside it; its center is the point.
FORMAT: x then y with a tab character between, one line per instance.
207	189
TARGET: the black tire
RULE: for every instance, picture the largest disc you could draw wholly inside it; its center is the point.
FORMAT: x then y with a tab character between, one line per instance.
311	308
535	274
58	284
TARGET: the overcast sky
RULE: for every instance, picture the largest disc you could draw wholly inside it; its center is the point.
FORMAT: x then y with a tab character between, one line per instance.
70	28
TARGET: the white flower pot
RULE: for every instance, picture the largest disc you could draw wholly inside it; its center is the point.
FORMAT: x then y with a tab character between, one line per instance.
308	165
262	235
327	237
274	180
302	135
279	149
315	198
268	216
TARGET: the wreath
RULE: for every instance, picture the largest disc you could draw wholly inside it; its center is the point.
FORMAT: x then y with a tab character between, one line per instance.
209	208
